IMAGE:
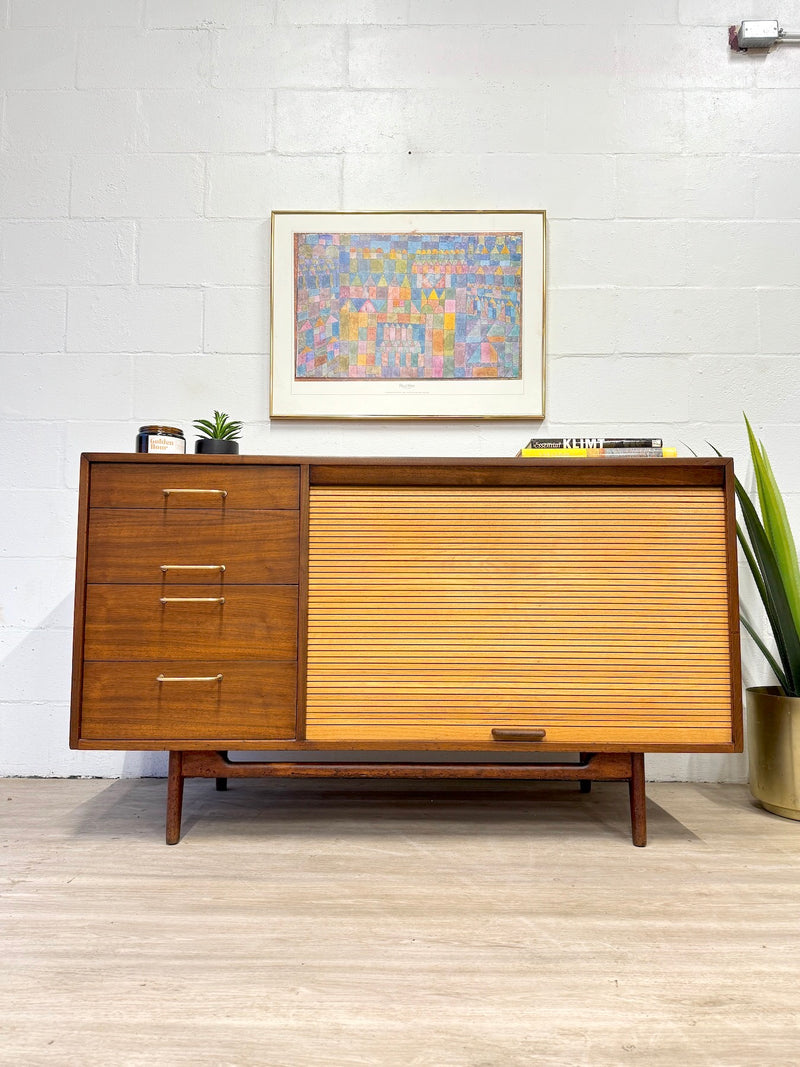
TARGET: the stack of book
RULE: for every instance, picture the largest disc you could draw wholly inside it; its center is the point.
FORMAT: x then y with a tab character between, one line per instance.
647	447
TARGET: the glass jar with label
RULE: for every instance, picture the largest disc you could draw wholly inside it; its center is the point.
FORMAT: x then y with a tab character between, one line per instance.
160	440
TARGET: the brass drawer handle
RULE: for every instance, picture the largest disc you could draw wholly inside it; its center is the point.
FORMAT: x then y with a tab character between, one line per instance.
222	492
192	599
192	567
519	735
210	678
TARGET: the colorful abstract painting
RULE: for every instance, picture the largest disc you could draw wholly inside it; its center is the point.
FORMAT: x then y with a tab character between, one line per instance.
383	306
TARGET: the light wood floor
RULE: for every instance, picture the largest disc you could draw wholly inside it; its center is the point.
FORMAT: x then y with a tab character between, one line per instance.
349	923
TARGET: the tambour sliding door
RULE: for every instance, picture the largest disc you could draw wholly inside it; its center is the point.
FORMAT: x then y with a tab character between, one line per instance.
597	613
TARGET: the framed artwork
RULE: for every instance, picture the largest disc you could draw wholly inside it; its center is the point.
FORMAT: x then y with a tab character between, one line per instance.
420	315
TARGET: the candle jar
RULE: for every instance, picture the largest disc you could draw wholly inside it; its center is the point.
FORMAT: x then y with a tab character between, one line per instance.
160	440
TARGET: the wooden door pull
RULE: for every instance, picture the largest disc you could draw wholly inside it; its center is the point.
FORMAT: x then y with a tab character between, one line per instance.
519	735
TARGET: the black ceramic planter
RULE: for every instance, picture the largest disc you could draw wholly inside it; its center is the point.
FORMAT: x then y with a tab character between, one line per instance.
212	446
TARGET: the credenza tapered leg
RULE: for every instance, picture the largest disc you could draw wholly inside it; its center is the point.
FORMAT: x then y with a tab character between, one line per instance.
638	800
174	797
222	784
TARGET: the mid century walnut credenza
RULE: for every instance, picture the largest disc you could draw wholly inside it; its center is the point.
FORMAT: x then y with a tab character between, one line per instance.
349	606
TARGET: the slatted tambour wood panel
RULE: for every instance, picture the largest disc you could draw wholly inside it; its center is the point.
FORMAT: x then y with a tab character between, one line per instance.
598	613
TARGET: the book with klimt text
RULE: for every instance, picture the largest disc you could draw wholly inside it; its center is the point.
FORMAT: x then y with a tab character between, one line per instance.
595	442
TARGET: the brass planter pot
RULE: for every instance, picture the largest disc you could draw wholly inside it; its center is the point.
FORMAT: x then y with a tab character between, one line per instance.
773	735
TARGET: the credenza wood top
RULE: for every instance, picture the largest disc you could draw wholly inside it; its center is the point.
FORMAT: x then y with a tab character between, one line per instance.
413	461
469	471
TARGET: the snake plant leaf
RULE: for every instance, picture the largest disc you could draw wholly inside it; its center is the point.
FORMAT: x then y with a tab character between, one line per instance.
769	581
767	654
751	561
776	600
776	523
748	553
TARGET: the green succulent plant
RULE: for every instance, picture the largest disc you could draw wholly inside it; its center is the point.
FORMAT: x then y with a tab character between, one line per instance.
221	429
771	554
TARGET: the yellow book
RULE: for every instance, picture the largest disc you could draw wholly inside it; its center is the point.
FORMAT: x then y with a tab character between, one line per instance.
636	453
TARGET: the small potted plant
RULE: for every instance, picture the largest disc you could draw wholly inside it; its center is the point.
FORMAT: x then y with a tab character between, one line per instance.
218	436
773	711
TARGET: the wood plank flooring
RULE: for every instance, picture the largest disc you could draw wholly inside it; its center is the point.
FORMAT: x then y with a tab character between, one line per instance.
410	923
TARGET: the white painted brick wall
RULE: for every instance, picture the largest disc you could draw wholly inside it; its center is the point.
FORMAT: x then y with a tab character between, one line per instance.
34	187
114	319
144	144
236	319
205	121
384	181
777	186
266	57
69	121
78	14
67	253
453	57
339	121
33	320
137	186
208	14
206	252
581	119
175	386
251	186
158	59
692	187
37	59
61	387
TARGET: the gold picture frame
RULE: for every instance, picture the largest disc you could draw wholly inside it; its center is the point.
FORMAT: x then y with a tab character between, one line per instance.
408	315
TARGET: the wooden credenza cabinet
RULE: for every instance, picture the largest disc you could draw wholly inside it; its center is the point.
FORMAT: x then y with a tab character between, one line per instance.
446	606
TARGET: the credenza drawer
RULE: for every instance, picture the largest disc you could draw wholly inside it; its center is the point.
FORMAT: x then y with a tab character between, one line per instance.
188	700
180	547
179	486
198	621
